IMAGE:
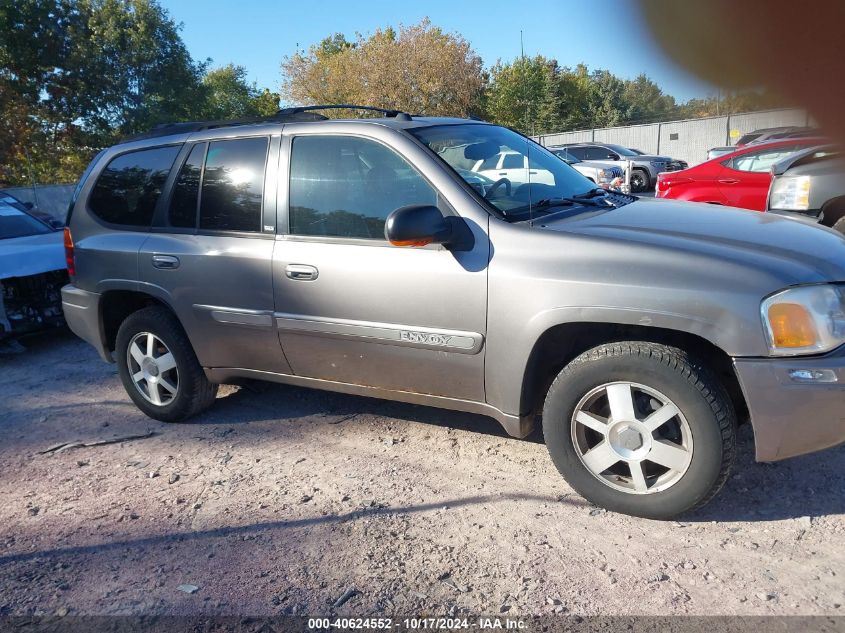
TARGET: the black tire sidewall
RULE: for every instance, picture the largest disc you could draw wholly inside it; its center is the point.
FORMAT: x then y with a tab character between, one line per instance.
645	180
161	323
707	460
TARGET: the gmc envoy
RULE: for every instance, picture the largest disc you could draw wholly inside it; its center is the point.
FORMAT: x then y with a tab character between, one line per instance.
365	256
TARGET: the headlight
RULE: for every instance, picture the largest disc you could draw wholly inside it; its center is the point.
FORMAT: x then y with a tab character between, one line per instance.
791	193
805	320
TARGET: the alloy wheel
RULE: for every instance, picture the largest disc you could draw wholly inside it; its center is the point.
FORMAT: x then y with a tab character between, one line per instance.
632	437
152	367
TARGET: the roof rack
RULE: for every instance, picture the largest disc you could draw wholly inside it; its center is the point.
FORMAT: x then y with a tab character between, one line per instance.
285	115
397	114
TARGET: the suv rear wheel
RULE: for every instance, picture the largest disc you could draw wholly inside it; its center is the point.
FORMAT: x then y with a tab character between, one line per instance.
640	428
158	367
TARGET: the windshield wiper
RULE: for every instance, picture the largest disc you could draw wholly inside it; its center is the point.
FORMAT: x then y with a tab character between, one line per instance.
557	202
592	193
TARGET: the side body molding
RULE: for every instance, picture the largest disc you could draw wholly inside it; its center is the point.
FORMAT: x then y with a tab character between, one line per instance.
456	341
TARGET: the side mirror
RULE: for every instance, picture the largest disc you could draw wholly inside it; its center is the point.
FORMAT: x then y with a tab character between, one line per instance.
417	225
28	206
56	224
612	156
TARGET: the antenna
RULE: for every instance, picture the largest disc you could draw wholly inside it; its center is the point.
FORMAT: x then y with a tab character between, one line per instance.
527	145
524	86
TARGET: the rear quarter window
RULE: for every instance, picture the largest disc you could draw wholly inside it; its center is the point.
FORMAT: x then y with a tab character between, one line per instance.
128	189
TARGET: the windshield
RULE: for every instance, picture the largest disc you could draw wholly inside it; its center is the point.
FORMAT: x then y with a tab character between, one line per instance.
16	223
564	155
623	151
508	170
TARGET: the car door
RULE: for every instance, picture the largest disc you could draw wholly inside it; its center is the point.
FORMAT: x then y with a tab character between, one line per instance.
489	167
350	307
514	167
744	180
209	254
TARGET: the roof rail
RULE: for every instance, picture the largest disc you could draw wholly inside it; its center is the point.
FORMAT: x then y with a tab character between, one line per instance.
166	129
398	114
285	115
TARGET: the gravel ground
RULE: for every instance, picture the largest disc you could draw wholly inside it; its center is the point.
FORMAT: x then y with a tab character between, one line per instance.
283	500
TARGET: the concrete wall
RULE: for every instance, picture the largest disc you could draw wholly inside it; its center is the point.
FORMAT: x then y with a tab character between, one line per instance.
51	200
687	140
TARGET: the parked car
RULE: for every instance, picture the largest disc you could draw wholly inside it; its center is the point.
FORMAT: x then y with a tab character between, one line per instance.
811	184
645	168
515	167
605	175
32	271
350	255
740	179
775	133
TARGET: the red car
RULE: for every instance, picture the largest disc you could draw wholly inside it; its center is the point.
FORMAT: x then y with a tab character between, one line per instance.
739	179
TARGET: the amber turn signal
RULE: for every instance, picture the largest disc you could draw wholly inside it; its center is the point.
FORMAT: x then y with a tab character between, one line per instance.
792	326
422	242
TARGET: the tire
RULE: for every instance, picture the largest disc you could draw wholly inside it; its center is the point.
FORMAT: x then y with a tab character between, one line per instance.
173	377
639	181
699	442
839	225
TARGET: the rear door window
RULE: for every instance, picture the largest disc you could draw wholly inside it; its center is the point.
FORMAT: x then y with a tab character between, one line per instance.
233	184
128	189
598	153
761	160
513	161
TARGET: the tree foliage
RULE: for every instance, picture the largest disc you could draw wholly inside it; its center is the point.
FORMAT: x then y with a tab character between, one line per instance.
75	75
419	69
230	95
536	95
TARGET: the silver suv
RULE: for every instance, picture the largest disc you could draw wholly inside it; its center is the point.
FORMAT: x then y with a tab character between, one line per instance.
362	256
645	166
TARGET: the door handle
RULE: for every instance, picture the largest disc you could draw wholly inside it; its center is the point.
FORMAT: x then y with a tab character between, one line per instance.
301	272
728	181
503	173
532	172
165	262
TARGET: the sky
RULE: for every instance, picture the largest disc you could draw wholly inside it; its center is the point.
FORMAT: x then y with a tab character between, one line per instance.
258	34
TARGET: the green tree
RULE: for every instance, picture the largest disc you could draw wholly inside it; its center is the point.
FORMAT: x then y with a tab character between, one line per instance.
418	68
523	94
228	95
75	75
606	104
645	102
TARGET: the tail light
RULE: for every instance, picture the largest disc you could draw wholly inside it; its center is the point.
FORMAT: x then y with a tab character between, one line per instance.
69	259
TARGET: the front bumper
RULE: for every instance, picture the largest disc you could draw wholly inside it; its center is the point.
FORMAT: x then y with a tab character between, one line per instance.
790	417
82	313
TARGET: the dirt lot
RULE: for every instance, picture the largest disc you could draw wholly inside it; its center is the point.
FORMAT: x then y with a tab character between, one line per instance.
280	499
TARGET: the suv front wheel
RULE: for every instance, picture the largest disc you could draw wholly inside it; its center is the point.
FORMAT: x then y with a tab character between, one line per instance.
158	367
639	181
640	428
